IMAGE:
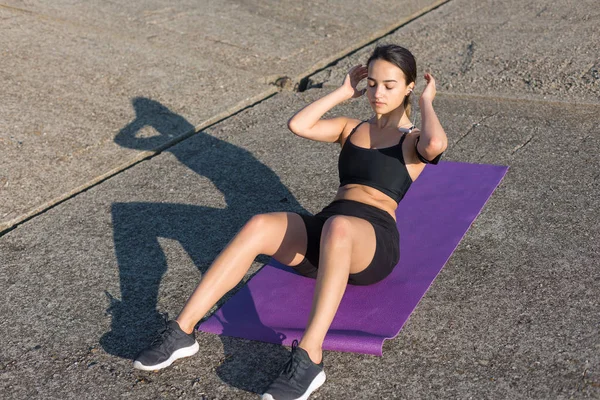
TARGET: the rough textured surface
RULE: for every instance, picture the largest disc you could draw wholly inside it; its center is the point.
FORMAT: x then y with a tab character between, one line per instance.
528	49
77	73
514	313
510	316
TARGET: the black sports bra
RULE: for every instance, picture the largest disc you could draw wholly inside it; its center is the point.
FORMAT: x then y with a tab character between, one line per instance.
383	169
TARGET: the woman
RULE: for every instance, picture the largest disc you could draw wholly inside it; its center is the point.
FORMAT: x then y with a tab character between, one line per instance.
353	240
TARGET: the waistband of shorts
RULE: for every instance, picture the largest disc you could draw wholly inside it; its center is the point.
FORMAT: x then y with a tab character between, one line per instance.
376	212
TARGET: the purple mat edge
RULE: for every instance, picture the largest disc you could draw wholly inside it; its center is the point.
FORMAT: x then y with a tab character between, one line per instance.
500	179
376	341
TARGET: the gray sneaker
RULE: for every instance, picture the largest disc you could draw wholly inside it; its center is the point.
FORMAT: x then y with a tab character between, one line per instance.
173	343
298	379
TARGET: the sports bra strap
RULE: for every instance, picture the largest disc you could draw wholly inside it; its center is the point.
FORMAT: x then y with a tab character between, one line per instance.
404	132
357	125
402	139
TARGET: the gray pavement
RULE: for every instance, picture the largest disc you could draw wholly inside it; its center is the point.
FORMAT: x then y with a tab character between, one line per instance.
514	313
76	73
535	50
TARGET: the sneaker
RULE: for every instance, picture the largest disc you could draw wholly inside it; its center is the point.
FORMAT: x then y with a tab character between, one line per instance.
299	378
172	344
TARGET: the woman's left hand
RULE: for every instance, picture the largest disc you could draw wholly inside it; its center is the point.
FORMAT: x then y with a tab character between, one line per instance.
429	91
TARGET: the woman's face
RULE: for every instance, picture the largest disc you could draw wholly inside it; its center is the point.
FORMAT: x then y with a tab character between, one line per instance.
386	86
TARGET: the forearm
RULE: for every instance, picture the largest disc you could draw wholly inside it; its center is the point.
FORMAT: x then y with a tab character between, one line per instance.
432	135
307	117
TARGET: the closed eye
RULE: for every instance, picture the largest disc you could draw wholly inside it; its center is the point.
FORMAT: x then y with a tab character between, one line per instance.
387	87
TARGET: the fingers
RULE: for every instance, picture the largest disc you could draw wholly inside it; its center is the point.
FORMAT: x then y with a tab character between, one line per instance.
357	74
358	69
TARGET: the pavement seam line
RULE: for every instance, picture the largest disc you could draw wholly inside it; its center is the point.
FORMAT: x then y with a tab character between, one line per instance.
16	9
322	65
137	159
249	103
146	155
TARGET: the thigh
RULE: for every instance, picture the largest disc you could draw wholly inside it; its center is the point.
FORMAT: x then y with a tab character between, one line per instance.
358	232
387	254
285	237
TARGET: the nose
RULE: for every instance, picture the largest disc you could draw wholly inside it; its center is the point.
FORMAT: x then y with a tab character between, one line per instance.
378	93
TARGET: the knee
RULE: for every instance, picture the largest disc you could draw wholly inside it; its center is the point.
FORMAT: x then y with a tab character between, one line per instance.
258	223
337	231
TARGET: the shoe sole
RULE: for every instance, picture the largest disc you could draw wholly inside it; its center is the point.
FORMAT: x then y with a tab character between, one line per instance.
316	383
181	353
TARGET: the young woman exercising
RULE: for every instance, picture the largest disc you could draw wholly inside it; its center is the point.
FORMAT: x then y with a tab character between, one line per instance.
354	240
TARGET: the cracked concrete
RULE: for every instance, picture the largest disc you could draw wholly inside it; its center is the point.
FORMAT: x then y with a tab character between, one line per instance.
473	126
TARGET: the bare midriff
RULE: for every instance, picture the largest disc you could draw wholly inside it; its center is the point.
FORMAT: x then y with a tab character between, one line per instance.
367	195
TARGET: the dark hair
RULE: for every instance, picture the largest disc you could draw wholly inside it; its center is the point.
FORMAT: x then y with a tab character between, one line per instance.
403	59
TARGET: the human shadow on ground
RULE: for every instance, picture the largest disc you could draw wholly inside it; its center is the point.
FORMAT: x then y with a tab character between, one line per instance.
249	188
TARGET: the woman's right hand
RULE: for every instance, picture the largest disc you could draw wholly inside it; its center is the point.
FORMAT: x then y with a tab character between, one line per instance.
354	76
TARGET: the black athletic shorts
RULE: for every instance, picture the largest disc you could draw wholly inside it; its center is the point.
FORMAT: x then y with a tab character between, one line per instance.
387	250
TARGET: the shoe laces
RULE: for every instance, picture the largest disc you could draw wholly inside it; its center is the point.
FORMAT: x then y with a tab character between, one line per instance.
162	336
292	364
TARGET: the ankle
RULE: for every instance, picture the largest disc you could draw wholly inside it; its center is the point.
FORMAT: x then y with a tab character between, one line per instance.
186	327
315	353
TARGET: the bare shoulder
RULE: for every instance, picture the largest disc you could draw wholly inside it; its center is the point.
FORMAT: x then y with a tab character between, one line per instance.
351	123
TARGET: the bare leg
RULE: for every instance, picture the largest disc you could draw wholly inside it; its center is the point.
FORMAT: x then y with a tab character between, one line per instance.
282	235
347	246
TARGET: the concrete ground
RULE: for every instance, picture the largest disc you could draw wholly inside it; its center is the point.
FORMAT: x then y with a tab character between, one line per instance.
78	73
513	314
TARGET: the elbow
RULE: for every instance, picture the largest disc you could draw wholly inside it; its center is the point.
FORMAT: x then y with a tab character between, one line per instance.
431	148
295	127
292	126
436	145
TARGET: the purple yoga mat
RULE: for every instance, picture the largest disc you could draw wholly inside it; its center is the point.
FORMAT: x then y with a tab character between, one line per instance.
433	217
